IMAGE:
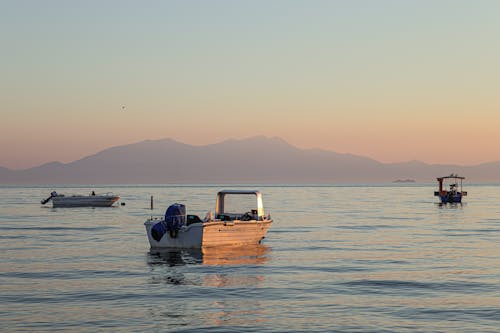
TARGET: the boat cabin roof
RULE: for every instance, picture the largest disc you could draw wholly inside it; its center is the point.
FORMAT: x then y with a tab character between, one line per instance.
450	176
223	192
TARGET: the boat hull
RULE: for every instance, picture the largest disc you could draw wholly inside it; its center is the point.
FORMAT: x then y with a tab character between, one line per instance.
451	199
84	201
211	234
234	232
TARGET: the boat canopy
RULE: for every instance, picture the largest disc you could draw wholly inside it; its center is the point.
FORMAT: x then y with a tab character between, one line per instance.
450	176
454	177
219	205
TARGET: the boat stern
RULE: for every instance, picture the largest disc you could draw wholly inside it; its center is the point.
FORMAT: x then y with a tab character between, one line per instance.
188	237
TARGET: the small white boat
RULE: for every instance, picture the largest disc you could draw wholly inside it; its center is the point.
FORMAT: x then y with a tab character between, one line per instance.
91	200
178	230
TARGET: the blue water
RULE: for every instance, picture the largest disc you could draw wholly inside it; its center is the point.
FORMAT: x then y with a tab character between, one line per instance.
336	259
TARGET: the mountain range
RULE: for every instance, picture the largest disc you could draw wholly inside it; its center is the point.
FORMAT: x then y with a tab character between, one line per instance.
253	160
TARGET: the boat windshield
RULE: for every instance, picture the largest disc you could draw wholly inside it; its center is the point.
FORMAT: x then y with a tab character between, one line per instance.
234	204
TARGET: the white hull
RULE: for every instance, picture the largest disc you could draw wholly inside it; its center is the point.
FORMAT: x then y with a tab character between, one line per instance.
189	237
209	234
84	201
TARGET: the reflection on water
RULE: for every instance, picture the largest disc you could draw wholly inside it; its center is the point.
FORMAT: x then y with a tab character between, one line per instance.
193	280
224	255
241	255
455	205
174	257
167	265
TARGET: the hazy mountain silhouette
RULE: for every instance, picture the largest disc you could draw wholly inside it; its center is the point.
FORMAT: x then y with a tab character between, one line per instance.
253	160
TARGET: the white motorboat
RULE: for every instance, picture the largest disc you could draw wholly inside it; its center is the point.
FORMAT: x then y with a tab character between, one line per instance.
179	230
91	200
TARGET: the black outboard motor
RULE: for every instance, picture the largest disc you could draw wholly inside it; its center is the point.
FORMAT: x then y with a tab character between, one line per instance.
52	194
175	219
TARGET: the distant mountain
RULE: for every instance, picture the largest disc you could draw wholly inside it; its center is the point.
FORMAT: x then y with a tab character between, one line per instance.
253	160
4	172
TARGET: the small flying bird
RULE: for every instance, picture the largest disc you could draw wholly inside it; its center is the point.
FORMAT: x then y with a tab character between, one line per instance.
123	107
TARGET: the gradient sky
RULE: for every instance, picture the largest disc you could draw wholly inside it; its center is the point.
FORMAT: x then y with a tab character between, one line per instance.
392	80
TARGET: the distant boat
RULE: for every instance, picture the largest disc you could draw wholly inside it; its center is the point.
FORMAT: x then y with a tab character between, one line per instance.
178	230
404	181
91	200
455	192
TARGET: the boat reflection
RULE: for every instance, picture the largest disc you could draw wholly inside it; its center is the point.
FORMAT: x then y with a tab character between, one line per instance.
224	255
174	257
172	267
455	205
241	255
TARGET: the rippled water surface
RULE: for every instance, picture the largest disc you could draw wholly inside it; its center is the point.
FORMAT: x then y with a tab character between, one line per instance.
336	259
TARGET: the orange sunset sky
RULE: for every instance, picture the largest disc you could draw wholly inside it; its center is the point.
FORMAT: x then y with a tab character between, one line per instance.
391	80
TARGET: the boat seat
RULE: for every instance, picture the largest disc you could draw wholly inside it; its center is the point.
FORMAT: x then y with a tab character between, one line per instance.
224	217
192	219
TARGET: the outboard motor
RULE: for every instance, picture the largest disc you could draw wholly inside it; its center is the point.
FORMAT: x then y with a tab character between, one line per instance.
175	219
52	194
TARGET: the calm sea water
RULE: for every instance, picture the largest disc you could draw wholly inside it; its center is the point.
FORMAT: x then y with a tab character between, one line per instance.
336	259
